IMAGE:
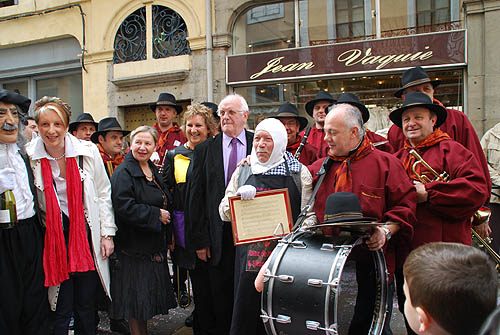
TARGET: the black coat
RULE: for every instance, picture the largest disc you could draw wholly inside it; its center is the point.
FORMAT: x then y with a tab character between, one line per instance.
207	188
137	203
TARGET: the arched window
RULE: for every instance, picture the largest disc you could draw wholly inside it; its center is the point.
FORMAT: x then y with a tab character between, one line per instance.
169	34
130	39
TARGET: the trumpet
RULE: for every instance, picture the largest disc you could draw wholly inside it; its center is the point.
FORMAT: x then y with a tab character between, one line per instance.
481	216
444	176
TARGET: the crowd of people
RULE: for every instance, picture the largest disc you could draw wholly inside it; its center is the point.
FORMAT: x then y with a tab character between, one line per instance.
98	217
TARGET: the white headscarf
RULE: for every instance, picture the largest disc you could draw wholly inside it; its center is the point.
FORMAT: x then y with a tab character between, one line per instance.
278	132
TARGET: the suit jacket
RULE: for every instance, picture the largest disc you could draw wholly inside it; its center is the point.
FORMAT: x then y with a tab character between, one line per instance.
207	188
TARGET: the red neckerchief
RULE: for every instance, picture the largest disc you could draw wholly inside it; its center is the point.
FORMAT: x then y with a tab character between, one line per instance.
110	162
58	261
343	178
294	146
437	136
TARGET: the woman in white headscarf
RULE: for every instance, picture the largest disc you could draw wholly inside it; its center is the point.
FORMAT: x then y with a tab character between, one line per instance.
272	167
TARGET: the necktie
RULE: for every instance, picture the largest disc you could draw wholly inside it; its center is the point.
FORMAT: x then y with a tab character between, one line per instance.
231	166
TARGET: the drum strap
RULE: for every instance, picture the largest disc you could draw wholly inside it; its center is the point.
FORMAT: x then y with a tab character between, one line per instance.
325	167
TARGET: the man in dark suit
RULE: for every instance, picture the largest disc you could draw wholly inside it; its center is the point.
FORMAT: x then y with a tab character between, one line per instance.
214	162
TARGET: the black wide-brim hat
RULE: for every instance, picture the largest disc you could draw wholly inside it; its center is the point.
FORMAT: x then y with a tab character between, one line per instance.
320	96
418	99
344	207
413	77
288	110
213	107
82	118
352	99
105	125
166	99
17	99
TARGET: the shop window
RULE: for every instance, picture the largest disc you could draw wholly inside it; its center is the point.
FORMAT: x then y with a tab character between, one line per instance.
130	40
5	3
169	33
350	15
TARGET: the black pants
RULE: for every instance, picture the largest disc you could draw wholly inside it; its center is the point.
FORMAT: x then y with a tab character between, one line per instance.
365	300
77	295
24	306
399	279
213	291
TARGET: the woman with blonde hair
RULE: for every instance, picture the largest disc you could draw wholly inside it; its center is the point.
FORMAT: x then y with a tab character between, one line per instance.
74	197
198	125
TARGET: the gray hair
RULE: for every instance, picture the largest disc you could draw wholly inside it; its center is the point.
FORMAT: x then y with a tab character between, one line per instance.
352	117
144	129
244	105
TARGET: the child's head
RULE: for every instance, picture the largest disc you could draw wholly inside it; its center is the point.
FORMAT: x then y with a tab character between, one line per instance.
450	288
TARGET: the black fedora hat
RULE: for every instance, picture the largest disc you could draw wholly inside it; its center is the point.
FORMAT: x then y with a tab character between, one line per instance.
352	99
344	207
16	99
288	110
320	96
166	99
418	99
105	125
415	76
213	107
82	118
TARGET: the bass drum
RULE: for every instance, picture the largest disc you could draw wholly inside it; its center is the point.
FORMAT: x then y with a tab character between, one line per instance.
310	286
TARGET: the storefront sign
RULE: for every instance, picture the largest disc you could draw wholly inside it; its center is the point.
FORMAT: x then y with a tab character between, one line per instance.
436	49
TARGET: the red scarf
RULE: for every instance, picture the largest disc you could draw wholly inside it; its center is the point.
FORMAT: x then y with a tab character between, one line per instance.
292	148
343	178
110	162
162	138
437	136
57	261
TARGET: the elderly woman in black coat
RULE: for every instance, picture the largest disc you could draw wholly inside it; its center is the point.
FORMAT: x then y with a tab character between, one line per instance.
140	284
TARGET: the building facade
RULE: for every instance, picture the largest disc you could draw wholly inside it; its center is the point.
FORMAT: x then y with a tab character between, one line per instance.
114	57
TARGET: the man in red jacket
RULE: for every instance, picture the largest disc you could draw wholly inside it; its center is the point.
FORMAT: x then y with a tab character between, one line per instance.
169	133
288	114
457	125
317	109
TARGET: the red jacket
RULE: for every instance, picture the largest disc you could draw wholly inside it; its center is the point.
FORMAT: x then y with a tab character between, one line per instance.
317	139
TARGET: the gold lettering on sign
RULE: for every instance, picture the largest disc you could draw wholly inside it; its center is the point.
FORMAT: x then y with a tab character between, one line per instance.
355	56
275	66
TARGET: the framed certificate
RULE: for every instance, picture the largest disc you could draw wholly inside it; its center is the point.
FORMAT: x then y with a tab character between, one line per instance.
266	217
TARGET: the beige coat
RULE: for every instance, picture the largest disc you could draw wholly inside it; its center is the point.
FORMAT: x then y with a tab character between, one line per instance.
491	147
96	205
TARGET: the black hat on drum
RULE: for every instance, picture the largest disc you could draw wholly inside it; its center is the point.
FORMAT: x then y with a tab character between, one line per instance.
344	207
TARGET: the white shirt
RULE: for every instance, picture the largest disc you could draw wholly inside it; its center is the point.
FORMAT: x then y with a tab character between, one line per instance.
60	182
22	193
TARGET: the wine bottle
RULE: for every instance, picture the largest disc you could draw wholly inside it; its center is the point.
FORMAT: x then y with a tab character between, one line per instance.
8	214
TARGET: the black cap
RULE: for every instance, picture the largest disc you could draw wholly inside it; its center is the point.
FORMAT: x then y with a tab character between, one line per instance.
413	77
16	99
352	99
82	118
418	99
166	99
320	96
105	125
288	110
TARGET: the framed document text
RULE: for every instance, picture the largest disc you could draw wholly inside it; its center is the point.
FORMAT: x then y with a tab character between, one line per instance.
266	217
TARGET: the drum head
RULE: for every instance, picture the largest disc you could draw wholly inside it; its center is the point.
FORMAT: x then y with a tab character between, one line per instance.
311	287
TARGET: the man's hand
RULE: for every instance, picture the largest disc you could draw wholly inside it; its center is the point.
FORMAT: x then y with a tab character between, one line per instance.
422	195
245	160
203	254
483	230
376	240
164	216
107	247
